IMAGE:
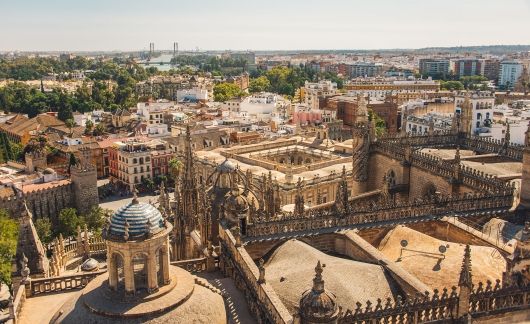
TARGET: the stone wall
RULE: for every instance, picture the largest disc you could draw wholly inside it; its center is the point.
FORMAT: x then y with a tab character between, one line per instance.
49	202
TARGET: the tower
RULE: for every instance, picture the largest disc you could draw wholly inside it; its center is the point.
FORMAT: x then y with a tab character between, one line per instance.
35	160
524	202
360	147
175	49
84	183
466	113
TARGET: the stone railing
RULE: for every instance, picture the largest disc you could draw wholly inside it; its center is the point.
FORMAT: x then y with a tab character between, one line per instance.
418	310
383	212
61	283
15	307
263	301
73	250
478	144
489	145
442	308
192	265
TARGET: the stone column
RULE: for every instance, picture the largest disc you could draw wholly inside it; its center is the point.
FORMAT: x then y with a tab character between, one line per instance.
152	278
128	273
165	264
113	272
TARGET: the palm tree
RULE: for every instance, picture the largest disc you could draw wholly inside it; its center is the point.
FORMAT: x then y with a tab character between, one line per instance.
175	166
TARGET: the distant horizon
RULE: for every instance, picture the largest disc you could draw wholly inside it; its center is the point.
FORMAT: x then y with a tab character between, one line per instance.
262	50
130	25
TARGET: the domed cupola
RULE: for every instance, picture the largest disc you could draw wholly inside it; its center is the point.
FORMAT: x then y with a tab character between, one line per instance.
236	203
318	305
135	221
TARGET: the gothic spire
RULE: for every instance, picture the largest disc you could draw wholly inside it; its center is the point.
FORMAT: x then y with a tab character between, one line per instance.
189	178
507	134
299	199
465	274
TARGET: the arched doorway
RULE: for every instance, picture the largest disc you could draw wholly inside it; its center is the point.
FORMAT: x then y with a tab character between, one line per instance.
139	263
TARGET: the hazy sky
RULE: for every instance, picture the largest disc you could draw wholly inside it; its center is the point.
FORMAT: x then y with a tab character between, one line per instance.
257	25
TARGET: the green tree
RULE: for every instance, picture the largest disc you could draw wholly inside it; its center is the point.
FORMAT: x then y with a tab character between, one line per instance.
99	130
8	245
70	123
89	126
95	218
68	222
380	125
260	84
44	229
72	162
226	91
452	85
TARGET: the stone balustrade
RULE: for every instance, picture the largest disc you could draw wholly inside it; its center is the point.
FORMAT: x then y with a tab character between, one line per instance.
392	212
61	283
192	265
484	300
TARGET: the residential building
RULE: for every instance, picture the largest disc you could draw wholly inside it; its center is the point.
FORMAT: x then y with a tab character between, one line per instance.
491	69
476	110
434	67
313	91
468	67
364	69
509	74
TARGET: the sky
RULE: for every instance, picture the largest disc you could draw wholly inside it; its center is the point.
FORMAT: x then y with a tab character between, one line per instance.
75	25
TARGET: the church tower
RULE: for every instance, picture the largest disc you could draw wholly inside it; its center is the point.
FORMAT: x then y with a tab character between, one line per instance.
84	183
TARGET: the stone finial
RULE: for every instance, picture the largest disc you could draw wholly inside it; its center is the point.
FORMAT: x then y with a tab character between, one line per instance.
237	234
24	269
261	268
148	228
135	197
126	231
457	154
465	273
318	282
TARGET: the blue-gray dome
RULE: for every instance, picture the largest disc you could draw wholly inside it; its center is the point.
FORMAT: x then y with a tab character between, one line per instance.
137	215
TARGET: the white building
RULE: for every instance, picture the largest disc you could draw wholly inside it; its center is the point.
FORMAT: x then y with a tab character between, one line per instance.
482	114
422	125
192	95
260	107
509	74
153	112
157	130
313	90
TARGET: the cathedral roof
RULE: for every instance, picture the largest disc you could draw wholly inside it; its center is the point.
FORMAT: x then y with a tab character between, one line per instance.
292	266
141	219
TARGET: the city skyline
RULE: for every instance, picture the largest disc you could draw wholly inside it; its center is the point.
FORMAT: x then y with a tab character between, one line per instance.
235	25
